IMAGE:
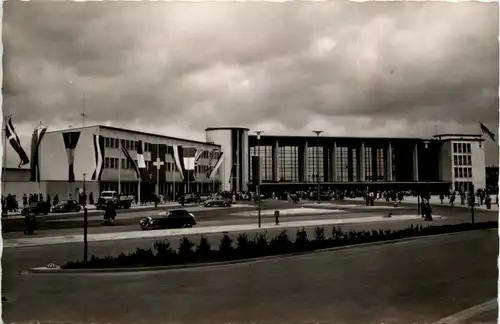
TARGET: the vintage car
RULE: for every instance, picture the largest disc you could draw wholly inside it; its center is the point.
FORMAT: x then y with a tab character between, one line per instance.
218	202
36	208
66	206
176	218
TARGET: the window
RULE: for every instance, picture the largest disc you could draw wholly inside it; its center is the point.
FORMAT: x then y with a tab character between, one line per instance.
342	164
455	159
354	165
469	172
315	164
469	148
380	164
112	164
460	160
288	163
123	163
266	156
460	172
368	164
106	163
455	149
469	160
456	172
459	147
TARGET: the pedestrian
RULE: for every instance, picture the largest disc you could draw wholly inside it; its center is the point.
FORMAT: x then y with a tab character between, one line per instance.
25	201
91	198
56	199
441	197
48	200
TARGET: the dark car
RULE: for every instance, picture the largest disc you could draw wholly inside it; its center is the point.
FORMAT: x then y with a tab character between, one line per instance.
66	206
177	218
41	207
189	199
218	202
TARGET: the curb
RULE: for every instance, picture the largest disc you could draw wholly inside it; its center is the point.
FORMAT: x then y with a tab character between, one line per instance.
93	212
58	270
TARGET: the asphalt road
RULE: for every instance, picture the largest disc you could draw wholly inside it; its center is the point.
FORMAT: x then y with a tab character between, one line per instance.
418	281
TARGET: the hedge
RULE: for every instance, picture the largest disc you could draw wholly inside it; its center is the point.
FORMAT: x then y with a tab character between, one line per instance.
162	254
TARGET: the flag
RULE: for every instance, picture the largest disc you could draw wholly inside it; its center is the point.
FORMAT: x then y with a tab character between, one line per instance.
36	139
158	168
99	154
129	158
141	164
70	141
485	130
11	135
213	170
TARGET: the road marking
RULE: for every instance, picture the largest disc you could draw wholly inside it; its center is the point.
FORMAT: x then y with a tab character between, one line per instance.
291	211
37	241
468	313
132	215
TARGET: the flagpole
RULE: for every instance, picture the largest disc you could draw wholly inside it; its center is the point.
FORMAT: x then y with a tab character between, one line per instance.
38	161
119	167
157	168
174	171
4	153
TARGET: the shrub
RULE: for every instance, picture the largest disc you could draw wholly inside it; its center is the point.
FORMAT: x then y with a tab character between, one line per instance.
204	250
301	240
280	244
164	253
260	244
186	252
226	247
244	247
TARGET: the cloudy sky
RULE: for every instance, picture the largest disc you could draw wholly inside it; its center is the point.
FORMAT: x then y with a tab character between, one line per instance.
385	69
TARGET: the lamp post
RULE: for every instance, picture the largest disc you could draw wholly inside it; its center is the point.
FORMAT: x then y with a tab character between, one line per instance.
426	145
259	177
317	163
85	224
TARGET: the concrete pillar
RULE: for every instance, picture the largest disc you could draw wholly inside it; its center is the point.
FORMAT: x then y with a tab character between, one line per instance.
275	162
415	163
388	162
305	163
237	171
334	162
361	162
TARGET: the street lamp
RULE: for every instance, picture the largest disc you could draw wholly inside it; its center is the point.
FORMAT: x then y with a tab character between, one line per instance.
259	177
84	192
85	223
317	162
426	145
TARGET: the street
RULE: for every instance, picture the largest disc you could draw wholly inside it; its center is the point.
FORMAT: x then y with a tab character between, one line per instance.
418	281
208	296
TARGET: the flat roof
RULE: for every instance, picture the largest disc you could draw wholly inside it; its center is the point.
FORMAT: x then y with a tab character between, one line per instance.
343	137
225	128
136	131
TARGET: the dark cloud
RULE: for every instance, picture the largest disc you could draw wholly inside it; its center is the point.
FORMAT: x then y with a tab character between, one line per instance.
392	68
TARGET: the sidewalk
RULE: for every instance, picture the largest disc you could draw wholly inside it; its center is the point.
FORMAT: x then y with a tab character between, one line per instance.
435	201
93	211
76	238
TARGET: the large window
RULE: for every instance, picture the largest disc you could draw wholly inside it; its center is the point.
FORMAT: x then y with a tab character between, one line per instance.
315	164
380	164
266	157
342	164
354	165
289	163
368	164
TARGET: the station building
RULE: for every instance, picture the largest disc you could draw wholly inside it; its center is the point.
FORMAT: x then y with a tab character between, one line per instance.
228	161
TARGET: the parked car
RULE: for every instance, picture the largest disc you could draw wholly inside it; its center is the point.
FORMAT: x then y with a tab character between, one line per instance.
41	207
121	201
66	206
177	218
217	202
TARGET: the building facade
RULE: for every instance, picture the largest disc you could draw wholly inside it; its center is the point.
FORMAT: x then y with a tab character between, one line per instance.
100	164
228	161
